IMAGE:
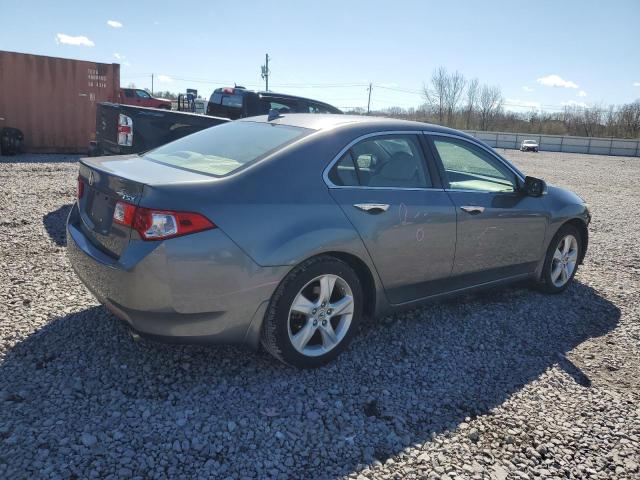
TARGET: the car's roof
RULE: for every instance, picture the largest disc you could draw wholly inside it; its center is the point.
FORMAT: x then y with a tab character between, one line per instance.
319	121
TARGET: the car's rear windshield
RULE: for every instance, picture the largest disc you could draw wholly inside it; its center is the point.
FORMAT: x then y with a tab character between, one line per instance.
225	148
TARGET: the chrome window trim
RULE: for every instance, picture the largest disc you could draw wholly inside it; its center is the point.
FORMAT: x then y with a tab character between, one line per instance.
479	191
488	150
330	184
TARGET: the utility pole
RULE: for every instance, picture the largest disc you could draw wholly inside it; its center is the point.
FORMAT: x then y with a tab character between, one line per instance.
152	84
369	102
265	71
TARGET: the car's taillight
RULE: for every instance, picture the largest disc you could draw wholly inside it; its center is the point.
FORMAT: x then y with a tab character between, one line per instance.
160	224
125	131
80	188
123	213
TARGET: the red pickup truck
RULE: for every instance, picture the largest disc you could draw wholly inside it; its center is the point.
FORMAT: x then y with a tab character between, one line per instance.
142	98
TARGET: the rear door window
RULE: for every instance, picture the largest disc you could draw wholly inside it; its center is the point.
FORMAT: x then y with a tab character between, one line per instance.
282	105
344	173
388	161
223	149
316	108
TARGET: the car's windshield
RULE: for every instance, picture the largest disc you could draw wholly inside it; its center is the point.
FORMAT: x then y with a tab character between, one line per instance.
225	148
529	142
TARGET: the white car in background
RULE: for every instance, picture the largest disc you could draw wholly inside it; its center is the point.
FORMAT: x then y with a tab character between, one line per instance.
529	146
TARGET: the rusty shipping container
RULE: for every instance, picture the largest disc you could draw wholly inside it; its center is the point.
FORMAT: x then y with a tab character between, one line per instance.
53	100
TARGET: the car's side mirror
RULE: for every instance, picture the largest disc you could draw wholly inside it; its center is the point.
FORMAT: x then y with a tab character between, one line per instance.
534	187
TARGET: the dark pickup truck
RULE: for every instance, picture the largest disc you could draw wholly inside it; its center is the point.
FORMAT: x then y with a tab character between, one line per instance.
238	102
125	129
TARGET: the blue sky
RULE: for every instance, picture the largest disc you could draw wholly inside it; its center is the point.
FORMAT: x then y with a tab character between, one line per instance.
542	53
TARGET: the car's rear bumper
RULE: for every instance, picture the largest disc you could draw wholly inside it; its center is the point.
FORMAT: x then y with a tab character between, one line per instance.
197	288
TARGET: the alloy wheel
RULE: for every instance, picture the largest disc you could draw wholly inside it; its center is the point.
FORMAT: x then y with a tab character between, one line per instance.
564	261
320	315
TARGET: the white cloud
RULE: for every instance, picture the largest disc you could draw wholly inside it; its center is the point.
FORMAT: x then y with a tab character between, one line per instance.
527	89
582	93
573	103
556	81
517	103
636	84
114	24
165	78
71	40
118	56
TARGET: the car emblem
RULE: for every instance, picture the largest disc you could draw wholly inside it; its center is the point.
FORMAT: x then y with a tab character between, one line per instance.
90	178
126	197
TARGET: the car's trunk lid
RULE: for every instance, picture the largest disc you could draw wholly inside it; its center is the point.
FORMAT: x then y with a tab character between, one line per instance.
108	180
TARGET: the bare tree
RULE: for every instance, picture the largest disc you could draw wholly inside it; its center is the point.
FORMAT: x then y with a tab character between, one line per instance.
436	94
454	88
590	120
490	105
473	91
629	120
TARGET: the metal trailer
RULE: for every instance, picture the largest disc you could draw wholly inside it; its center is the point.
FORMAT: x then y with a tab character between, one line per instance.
53	100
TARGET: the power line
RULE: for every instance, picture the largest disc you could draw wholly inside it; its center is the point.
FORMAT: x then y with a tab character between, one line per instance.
369	88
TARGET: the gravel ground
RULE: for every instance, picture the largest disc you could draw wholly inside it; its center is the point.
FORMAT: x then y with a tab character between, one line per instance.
505	384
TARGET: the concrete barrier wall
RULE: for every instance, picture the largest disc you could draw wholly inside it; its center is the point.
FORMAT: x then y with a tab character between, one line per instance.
558	143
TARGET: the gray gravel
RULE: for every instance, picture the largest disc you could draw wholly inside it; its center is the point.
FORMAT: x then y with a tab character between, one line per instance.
505	384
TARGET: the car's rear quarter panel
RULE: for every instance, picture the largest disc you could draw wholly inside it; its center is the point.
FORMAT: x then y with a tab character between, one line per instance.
200	285
279	211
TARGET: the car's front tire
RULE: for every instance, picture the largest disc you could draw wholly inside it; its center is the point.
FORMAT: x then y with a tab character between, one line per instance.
562	259
313	313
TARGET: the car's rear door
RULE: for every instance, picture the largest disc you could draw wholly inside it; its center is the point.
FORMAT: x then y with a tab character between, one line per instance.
395	201
500	229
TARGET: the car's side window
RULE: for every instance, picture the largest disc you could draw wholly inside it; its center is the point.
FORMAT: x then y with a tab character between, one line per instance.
344	173
315	108
142	94
385	161
469	167
391	161
128	93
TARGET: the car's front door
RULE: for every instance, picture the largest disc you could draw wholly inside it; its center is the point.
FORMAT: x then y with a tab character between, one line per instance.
401	211
500	229
143	98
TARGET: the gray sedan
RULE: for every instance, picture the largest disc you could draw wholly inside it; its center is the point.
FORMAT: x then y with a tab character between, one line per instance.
287	231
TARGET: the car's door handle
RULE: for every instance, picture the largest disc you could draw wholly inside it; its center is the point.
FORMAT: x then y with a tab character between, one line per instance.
372	208
472	209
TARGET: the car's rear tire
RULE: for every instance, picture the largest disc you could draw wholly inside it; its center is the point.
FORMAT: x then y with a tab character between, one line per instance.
562	260
313	313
